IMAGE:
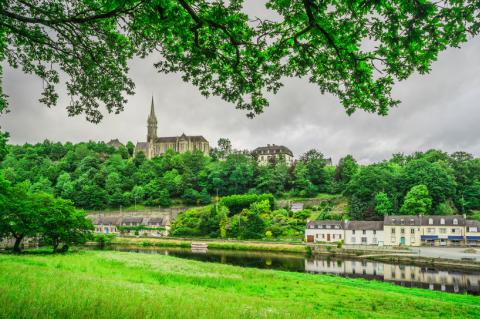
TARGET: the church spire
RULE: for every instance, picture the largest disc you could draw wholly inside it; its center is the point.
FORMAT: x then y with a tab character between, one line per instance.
152	124
152	117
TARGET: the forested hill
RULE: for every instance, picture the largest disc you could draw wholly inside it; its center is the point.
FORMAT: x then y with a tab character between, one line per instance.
96	176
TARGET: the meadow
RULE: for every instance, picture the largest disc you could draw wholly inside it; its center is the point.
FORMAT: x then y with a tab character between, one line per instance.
107	284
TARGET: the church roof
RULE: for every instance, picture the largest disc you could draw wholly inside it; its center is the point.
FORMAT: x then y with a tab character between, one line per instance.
173	139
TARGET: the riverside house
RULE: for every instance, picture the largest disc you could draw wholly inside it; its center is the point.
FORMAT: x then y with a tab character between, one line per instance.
398	230
324	231
132	226
364	233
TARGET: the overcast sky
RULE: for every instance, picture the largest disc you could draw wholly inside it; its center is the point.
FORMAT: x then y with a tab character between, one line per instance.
438	110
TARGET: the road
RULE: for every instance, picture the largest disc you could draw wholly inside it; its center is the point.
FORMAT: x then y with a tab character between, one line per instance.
446	252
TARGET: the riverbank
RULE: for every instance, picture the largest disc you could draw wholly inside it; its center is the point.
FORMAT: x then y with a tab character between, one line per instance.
214	244
106	284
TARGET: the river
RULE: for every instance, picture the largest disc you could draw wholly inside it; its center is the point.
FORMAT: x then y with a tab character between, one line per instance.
455	281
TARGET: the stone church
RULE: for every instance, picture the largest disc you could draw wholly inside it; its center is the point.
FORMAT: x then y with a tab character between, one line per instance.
155	146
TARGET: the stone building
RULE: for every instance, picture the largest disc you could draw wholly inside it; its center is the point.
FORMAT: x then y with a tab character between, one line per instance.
265	154
155	146
115	143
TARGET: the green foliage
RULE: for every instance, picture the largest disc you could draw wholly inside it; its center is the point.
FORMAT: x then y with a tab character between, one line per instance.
55	220
383	204
417	201
237	203
223	51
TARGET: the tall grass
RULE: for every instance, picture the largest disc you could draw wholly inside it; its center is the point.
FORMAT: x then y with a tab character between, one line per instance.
106	284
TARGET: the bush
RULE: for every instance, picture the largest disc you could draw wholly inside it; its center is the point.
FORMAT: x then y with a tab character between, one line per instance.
237	203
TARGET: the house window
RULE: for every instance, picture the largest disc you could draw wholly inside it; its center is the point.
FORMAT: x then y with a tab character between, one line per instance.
402	230
442	221
353	239
430	221
393	239
453	230
431	230
353	232
393	230
455	221
374	232
374	240
412	239
339	236
412	221
364	231
412	231
472	229
323	236
402	222
443	231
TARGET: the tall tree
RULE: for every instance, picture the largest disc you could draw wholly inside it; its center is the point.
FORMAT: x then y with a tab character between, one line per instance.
417	201
216	46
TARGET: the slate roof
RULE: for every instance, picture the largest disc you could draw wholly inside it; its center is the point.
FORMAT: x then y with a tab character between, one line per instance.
321	224
364	225
447	219
106	221
402	220
472	223
174	139
272	149
132	220
115	143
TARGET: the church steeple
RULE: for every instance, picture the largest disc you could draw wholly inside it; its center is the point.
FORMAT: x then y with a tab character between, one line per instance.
152	124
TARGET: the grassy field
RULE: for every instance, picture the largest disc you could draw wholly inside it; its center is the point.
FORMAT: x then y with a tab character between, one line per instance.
106	284
214	244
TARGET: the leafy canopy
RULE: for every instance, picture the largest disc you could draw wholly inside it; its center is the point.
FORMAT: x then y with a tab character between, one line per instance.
355	50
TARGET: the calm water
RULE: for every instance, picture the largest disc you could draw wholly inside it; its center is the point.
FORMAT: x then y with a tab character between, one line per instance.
456	281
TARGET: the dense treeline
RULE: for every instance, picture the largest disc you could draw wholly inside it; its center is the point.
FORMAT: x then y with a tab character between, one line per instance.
96	176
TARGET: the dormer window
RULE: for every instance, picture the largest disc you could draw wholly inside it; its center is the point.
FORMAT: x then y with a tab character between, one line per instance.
442	221
455	221
430	221
412	221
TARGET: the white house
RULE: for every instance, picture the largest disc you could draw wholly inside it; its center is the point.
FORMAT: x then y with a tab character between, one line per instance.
265	154
327	231
364	233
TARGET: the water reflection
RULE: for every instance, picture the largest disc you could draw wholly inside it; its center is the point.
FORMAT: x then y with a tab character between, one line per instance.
403	275
457	281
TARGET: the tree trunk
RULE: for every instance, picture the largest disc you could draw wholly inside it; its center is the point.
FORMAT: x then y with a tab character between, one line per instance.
55	246
16	246
65	248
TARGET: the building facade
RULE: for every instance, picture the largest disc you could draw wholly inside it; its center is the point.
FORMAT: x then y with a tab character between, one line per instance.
327	231
402	230
272	152
472	232
132	226
364	233
155	146
398	230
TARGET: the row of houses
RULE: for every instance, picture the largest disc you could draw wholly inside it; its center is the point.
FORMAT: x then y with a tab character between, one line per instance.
398	230
132	225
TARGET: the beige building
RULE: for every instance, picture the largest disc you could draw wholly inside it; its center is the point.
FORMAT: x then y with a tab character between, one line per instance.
266	154
472	229
443	230
155	146
402	230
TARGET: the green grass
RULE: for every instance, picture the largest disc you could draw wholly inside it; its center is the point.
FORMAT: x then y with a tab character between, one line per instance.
106	284
214	244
